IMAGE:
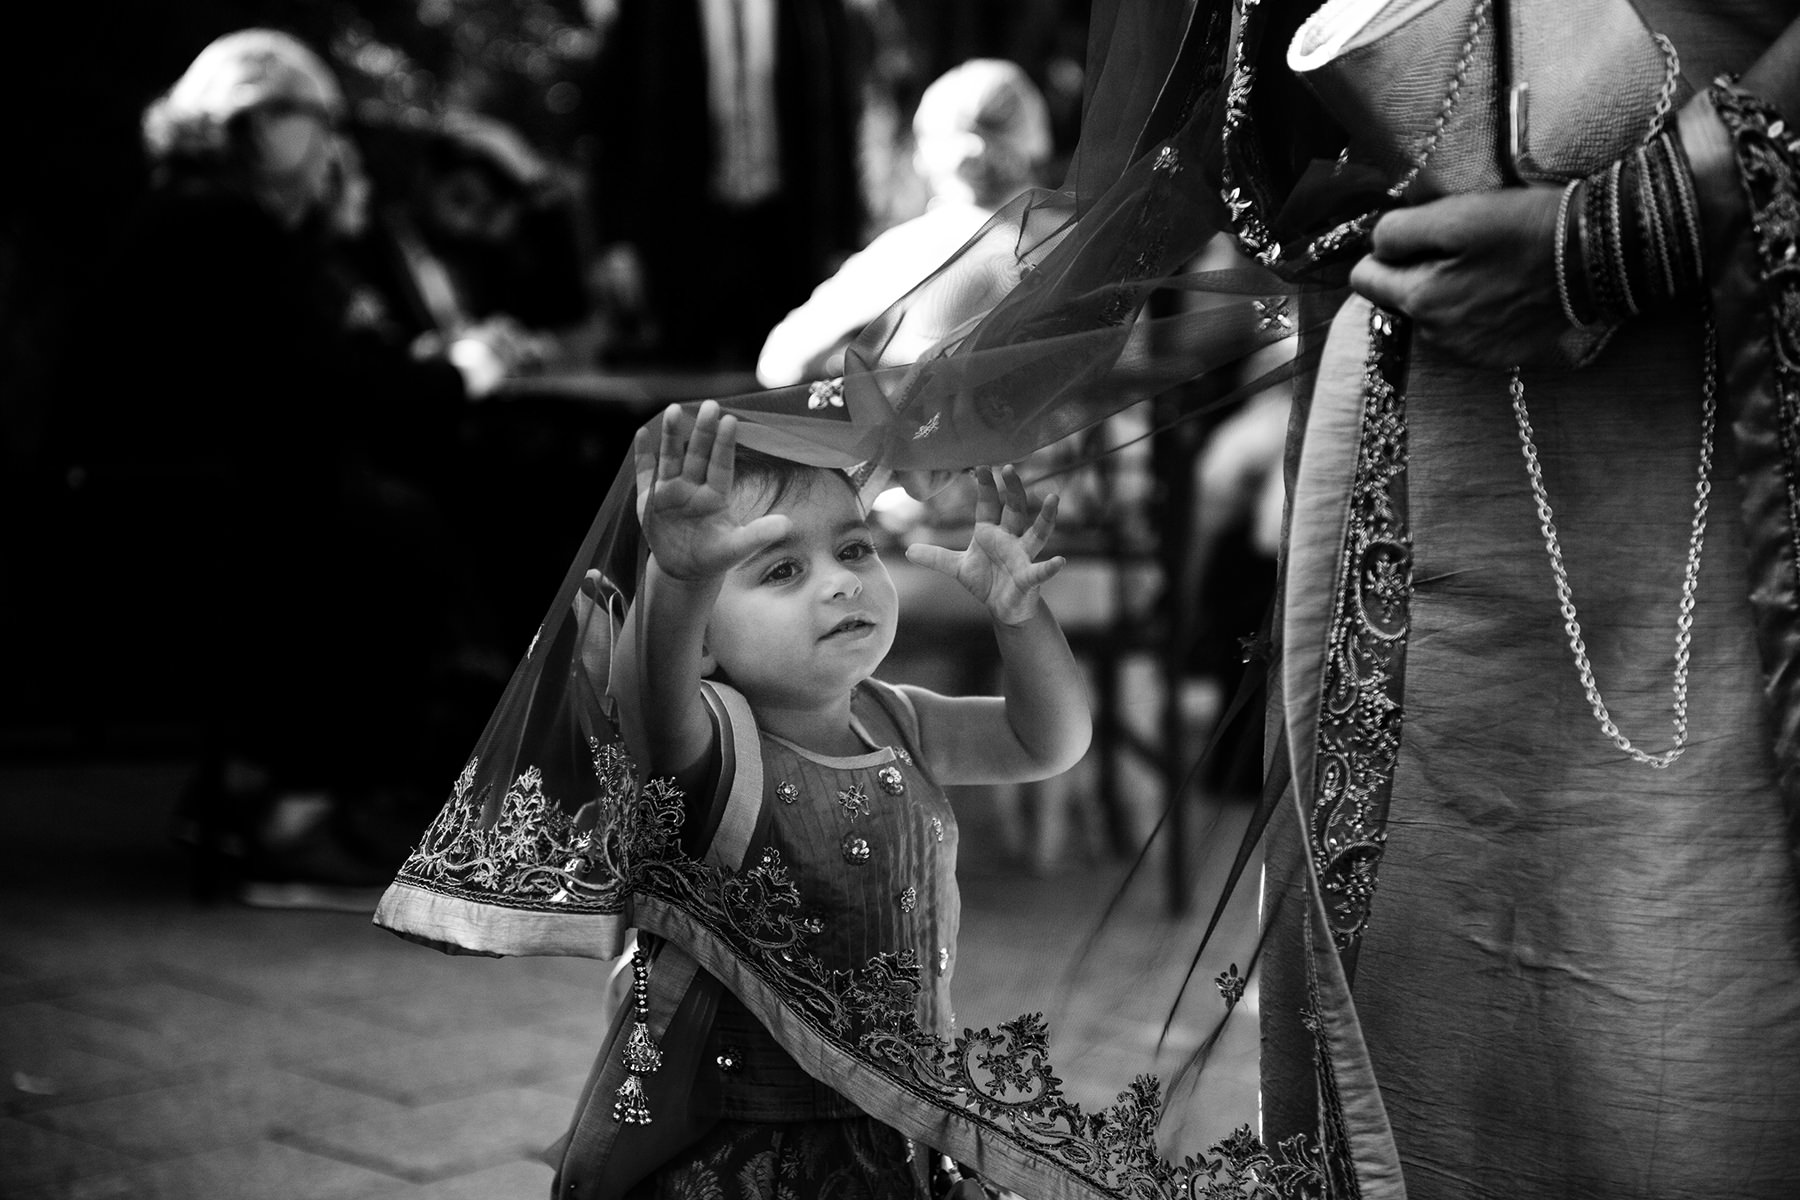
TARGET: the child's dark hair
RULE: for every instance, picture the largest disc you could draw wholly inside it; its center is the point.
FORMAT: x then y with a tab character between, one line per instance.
777	477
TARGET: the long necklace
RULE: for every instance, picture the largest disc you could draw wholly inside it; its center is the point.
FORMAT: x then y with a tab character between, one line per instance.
1684	622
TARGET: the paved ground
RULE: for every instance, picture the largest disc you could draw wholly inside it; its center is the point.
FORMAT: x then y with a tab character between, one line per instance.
154	1047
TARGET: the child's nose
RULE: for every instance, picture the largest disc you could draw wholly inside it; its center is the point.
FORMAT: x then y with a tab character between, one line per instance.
842	583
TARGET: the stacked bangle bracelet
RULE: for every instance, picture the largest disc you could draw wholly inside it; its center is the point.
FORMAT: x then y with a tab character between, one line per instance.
1628	236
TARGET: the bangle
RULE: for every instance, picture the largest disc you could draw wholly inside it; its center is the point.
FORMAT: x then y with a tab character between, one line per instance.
1615	239
1687	205
1650	228
1596	263
1562	237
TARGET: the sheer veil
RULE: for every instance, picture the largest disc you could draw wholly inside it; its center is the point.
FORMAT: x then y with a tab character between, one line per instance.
1068	306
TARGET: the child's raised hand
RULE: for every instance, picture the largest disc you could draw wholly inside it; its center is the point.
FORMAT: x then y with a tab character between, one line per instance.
997	568
687	496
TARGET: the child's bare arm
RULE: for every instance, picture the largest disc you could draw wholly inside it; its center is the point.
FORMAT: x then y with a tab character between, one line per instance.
693	541
1040	725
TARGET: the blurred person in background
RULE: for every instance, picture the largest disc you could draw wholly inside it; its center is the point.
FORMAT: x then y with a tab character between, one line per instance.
241	546
471	224
981	135
725	181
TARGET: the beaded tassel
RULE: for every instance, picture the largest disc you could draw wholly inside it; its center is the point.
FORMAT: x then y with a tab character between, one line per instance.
641	1055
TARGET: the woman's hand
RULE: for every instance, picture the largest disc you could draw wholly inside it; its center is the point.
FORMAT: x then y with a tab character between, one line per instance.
687	509
1476	274
997	567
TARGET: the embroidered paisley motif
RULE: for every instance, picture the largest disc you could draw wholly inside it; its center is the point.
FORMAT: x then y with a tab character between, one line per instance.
1360	713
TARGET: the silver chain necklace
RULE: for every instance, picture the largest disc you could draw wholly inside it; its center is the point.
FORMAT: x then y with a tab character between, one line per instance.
1684	623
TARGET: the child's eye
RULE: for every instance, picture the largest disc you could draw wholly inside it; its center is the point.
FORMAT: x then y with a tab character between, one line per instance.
857	551
781	572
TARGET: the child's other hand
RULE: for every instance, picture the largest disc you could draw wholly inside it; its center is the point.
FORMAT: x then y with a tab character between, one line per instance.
687	507
997	568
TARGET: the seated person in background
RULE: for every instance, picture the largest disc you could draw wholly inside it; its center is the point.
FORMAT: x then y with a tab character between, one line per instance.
471	227
216	419
982	135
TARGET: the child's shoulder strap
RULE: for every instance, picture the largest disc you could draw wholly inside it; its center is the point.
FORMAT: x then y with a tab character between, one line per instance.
737	802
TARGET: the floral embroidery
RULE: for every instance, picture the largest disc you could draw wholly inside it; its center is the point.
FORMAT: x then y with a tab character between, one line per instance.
825	393
1360	712
524	851
786	792
1231	985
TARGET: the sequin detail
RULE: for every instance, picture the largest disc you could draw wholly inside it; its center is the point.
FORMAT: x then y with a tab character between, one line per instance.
786	792
943	963
857	850
855	801
937	829
892	782
908	899
730	1060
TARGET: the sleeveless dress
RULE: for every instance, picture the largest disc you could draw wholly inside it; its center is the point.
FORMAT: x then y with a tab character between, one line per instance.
868	842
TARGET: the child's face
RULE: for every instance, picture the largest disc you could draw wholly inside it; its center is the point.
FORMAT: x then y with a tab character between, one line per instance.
813	615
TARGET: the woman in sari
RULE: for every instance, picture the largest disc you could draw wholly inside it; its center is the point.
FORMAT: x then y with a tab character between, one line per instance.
1549	960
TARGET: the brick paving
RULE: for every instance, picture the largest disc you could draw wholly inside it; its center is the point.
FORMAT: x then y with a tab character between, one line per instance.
156	1047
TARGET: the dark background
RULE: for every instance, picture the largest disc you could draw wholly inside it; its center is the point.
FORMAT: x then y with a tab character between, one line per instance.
74	80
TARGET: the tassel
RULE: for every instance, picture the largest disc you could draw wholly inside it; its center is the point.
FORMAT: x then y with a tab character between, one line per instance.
630	1108
641	1055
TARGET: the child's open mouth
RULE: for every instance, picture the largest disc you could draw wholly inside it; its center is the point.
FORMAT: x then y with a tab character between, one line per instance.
850	626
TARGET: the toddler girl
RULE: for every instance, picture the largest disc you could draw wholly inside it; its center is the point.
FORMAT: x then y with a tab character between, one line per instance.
765	613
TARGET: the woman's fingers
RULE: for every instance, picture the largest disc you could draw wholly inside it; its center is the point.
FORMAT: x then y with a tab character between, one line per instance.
1437	229
1392	287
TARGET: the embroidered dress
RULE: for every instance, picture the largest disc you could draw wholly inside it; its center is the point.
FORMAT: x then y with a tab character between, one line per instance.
868	843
